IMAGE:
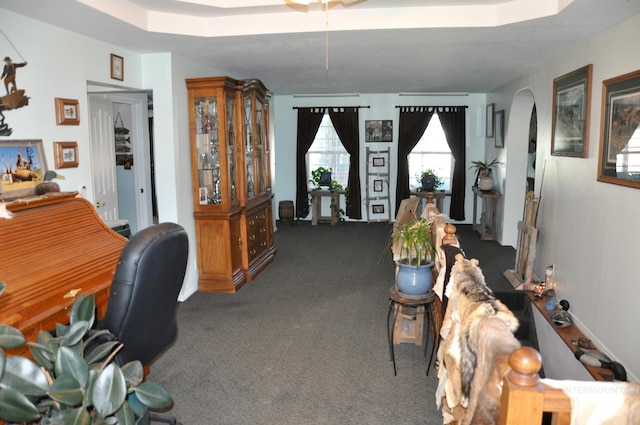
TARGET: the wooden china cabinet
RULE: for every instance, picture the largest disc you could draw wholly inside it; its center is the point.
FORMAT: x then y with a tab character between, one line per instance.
229	128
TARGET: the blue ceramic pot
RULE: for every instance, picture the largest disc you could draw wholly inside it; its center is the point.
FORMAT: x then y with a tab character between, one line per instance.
428	183
412	280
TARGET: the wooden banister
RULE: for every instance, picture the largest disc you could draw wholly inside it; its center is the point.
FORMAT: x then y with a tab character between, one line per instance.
525	398
450	237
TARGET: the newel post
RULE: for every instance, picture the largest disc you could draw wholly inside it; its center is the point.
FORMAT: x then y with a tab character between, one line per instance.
522	397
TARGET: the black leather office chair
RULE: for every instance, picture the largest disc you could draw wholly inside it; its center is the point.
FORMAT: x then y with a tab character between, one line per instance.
141	312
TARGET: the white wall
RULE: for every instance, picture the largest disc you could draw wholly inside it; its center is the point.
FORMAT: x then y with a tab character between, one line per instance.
381	107
62	64
586	227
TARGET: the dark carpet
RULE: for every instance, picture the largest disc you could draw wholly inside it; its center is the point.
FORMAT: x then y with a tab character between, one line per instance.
306	342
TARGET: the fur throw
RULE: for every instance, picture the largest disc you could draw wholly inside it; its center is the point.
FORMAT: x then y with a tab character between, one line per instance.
478	338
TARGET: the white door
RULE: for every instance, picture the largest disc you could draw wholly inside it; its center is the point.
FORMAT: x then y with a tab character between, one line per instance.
103	159
105	180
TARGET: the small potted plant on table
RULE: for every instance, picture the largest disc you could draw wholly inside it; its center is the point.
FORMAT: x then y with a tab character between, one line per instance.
484	176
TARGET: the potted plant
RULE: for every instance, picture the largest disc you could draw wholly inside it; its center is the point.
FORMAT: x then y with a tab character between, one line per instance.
413	243
72	378
429	180
484	177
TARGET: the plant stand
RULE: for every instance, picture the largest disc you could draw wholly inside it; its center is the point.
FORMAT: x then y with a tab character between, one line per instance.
407	324
316	206
487	225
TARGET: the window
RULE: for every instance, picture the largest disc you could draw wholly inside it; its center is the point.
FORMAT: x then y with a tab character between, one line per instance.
431	153
327	151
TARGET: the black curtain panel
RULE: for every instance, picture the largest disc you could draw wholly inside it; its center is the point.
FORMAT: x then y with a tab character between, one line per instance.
345	122
309	120
413	122
454	125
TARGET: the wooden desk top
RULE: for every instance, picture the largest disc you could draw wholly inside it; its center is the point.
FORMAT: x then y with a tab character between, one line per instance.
58	247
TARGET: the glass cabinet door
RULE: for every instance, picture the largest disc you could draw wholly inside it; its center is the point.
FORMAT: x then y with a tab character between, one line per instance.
248	148
208	150
260	146
231	146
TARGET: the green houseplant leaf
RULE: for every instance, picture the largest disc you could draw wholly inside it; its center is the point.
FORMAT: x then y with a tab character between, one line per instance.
16	407
72	364
67	390
153	395
25	376
10	337
109	390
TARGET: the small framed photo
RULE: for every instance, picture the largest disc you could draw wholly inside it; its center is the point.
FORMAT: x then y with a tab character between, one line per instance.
570	122
377	185
67	111
490	124
619	135
377	162
378	130
117	67
377	208
499	140
66	154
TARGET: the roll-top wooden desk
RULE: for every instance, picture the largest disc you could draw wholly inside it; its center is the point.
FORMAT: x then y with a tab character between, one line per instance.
53	249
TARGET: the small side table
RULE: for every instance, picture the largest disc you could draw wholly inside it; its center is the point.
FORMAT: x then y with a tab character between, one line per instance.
408	323
316	206
487	225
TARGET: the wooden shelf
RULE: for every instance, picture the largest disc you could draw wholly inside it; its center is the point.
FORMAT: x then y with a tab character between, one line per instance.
568	334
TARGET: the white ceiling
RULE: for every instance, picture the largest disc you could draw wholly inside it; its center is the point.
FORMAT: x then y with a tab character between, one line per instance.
374	46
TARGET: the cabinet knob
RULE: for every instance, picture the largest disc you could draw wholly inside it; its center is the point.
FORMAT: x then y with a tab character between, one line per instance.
240	241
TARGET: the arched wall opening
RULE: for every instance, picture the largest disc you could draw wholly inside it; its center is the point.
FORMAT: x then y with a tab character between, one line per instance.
515	179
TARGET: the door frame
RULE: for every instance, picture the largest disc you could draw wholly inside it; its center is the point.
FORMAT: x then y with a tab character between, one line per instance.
138	100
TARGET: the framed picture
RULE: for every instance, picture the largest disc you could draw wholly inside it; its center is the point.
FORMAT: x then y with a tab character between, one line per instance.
67	111
65	154
490	119
377	208
619	160
377	185
499	140
117	67
571	106
378	131
23	167
377	162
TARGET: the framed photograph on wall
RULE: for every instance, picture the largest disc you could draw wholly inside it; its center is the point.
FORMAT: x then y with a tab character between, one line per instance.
377	162
117	67
499	140
377	185
65	154
378	131
490	120
23	167
571	106
377	208
67	111
619	161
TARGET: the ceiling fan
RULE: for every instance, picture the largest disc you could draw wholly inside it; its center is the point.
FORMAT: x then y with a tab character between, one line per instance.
326	10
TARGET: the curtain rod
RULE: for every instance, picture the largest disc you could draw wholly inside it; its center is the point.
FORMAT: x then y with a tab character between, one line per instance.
326	107
432	106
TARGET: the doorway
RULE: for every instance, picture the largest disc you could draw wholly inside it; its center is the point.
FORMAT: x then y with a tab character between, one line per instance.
533	144
121	157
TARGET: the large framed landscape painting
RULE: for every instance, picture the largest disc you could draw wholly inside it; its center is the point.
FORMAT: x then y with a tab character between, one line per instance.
23	167
571	106
619	161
